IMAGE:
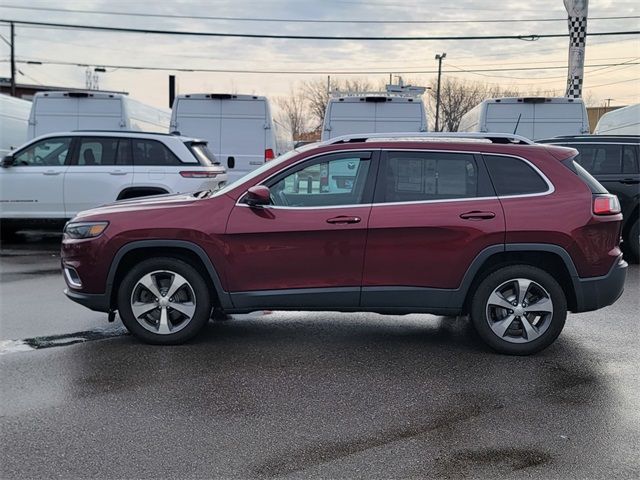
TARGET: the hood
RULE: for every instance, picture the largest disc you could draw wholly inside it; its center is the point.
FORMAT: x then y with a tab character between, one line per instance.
141	204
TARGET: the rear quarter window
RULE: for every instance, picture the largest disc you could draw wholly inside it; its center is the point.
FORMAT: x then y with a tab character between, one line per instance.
513	176
585	176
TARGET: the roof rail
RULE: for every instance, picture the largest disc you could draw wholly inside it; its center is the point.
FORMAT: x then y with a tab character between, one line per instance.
492	137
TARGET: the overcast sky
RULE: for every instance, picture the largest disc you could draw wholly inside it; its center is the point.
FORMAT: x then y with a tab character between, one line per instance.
105	48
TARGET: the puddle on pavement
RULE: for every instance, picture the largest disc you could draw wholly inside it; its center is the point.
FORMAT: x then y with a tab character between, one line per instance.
62	340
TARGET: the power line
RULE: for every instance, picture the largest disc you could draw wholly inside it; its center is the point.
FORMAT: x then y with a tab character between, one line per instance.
303	72
298	20
387	67
530	37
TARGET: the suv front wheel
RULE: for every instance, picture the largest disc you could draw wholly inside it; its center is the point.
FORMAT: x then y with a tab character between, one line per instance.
519	309
164	301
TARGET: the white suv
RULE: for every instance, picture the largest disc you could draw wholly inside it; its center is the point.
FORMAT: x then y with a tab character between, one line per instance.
57	175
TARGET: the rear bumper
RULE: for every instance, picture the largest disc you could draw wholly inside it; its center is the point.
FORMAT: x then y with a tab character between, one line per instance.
599	292
98	302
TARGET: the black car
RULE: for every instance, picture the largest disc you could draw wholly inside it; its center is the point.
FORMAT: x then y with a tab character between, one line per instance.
613	160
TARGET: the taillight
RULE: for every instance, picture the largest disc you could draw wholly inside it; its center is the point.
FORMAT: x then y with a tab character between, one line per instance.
606	205
198	174
268	155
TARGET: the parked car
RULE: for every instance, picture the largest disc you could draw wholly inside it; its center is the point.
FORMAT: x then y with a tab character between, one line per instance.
614	161
436	227
622	121
55	176
239	128
400	109
67	111
531	117
14	118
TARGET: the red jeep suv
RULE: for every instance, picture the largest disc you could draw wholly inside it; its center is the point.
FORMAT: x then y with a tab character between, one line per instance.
512	233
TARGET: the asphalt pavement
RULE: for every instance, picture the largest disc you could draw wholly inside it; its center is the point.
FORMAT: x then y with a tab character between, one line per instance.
307	395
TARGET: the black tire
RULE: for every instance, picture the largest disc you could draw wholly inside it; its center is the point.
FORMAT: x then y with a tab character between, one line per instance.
632	242
198	287
479	307
8	231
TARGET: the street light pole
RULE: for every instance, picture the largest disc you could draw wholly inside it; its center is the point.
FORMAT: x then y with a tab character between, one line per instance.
439	57
13	61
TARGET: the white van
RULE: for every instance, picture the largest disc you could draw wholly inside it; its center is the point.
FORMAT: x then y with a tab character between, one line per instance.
622	121
530	117
67	111
239	128
14	120
373	113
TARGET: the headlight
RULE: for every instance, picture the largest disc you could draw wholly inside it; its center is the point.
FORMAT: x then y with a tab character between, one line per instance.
84	229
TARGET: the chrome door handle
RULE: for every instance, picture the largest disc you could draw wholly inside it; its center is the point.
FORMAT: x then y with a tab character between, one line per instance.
343	219
477	215
51	172
117	172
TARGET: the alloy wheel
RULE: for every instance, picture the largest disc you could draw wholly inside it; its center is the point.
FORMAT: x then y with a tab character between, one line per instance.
163	302
519	310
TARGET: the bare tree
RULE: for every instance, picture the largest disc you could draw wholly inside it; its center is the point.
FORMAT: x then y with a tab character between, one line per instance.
317	94
457	97
293	112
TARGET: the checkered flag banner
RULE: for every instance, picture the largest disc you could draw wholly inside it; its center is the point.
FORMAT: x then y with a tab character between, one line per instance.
577	10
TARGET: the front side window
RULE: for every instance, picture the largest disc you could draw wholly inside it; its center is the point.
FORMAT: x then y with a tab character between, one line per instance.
50	152
512	176
152	152
329	182
423	176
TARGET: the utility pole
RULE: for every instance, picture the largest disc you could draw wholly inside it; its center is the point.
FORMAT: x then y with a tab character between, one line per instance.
439	57
13	60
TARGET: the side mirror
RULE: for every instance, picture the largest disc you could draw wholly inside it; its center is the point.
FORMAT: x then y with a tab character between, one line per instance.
258	195
7	161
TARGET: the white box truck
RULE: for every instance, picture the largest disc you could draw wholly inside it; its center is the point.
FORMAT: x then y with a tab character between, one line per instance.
399	109
14	121
239	128
68	111
531	117
622	121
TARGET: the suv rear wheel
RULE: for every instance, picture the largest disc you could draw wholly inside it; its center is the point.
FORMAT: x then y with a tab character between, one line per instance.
519	309
164	301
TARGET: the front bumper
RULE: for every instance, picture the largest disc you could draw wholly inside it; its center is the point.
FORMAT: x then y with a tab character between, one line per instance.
98	302
599	292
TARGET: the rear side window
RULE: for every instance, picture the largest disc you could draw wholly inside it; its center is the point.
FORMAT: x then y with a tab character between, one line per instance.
600	159
422	176
152	152
512	176
630	159
202	153
96	151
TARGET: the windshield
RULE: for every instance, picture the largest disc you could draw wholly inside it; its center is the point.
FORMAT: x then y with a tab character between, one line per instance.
258	171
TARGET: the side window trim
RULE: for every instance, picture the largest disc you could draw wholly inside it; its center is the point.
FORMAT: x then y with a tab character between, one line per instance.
367	194
485	187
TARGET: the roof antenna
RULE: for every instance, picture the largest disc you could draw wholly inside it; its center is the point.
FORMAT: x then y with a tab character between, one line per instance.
517	123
